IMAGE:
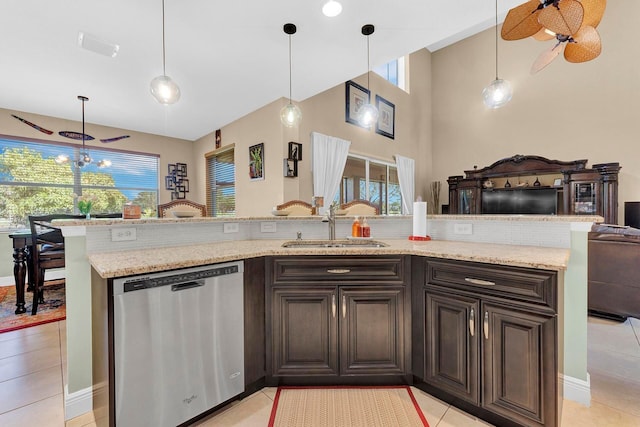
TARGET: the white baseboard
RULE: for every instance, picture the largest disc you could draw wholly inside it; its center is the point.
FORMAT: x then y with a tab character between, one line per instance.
78	402
577	390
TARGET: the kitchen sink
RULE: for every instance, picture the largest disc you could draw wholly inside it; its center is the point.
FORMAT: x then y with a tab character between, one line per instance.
334	244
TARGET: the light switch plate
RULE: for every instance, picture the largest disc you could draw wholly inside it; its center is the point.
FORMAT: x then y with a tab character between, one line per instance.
463	228
123	234
268	227
231	227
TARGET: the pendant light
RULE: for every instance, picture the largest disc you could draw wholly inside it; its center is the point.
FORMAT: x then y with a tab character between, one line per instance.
332	8
163	89
499	92
290	115
367	114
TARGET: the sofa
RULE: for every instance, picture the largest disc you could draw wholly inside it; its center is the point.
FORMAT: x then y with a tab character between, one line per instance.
614	271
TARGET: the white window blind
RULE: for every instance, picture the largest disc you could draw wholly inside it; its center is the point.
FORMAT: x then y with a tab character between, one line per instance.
32	182
221	184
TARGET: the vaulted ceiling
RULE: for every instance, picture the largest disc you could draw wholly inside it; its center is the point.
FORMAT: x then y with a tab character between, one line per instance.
229	58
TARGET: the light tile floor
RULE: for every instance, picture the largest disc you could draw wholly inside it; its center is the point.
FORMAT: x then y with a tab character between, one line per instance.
32	378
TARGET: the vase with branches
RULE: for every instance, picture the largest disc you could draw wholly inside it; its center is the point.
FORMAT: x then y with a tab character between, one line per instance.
434	199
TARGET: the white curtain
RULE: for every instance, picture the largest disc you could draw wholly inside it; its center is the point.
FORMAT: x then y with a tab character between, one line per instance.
406	170
329	157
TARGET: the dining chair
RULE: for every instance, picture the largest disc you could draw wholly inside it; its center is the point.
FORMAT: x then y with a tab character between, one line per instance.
46	251
181	208
296	208
360	207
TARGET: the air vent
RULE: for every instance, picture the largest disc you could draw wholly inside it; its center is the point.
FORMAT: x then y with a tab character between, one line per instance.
94	44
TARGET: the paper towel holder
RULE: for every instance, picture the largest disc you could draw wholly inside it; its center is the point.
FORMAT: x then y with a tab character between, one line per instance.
420	238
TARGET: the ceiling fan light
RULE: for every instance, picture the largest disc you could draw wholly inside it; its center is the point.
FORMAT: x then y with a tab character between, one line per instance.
332	9
367	115
497	94
290	115
165	90
548	31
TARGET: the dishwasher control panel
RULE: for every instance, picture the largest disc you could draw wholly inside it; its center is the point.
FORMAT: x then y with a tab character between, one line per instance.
147	282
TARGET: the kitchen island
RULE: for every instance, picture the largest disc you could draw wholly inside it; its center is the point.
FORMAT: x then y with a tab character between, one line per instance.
206	243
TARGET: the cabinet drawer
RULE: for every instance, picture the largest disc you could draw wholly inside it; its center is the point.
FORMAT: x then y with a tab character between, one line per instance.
365	269
527	285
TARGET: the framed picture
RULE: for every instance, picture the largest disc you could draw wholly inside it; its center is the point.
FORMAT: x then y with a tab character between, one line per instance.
295	151
181	170
170	182
557	182
355	97
290	168
256	162
386	117
218	138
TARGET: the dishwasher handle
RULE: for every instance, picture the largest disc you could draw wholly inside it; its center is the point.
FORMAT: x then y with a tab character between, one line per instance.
187	285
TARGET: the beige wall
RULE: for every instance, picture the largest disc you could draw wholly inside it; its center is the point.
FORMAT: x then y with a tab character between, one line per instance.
325	113
171	150
565	112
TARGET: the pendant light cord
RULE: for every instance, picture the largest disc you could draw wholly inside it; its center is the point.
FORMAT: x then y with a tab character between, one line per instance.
164	72
369	65
290	69
496	39
83	149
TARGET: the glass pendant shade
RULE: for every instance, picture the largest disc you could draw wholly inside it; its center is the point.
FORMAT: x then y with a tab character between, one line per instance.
332	8
367	115
497	94
165	90
290	115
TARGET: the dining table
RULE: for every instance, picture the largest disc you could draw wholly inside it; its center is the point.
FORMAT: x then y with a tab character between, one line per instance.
21	264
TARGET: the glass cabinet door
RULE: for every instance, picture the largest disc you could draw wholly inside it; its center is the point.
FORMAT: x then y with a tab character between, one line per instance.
465	201
584	200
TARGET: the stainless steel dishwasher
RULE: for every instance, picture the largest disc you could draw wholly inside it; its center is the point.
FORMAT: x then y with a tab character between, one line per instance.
178	343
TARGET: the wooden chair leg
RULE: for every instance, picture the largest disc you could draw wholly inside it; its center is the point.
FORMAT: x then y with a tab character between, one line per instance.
38	291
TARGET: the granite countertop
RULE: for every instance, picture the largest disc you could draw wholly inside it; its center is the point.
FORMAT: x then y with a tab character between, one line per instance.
132	262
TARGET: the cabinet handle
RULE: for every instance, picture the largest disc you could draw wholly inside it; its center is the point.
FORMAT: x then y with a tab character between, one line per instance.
486	325
344	306
479	281
472	322
333	305
338	270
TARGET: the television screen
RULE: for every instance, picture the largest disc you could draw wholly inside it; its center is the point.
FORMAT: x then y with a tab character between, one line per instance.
536	201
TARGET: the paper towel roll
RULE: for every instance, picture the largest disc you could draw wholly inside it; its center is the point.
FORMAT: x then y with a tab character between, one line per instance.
420	219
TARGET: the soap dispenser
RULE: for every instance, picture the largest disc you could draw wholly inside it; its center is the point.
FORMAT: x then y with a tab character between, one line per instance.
366	231
356	229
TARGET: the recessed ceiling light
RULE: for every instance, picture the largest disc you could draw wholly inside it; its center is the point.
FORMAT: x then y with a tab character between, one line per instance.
94	44
332	8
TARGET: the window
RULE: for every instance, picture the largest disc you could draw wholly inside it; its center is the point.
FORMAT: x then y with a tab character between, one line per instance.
31	181
372	180
221	184
393	72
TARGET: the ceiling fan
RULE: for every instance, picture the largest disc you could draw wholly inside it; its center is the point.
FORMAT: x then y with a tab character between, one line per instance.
572	23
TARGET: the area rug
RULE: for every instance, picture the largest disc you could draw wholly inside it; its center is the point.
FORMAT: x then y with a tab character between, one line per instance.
51	311
346	407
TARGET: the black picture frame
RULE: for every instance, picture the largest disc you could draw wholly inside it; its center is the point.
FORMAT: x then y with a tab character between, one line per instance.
295	151
290	168
181	170
355	97
169	182
386	117
256	162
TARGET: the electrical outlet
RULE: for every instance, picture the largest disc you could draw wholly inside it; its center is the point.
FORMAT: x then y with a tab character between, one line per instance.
462	228
123	234
268	227
231	227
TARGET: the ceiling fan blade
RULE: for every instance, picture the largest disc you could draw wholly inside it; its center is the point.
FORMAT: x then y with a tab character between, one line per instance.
587	46
543	35
547	57
593	11
522	21
565	19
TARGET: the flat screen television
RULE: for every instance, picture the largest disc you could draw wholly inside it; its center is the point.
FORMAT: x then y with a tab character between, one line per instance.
525	201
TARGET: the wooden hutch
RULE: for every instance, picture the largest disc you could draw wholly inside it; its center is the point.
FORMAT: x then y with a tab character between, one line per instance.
577	190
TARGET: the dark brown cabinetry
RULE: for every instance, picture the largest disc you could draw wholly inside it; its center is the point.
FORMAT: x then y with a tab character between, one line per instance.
525	185
490	337
337	317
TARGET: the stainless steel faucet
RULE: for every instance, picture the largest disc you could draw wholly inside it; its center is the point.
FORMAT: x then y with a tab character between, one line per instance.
330	217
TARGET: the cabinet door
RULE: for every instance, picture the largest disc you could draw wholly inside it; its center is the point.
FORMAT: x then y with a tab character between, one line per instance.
303	331
519	364
372	330
452	325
